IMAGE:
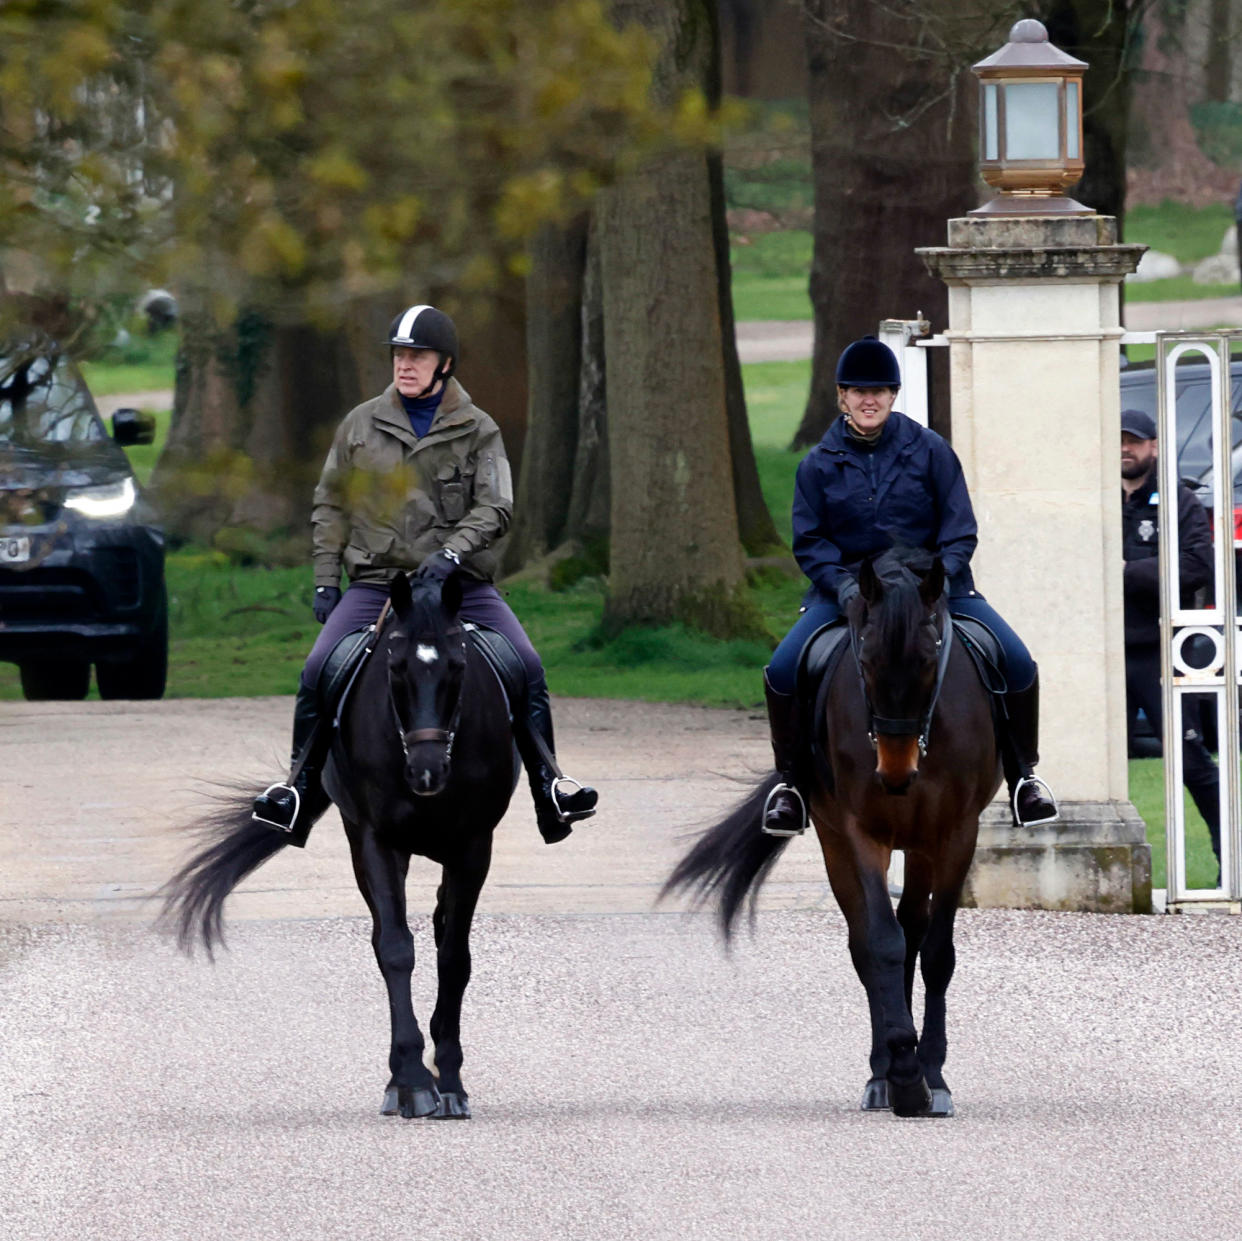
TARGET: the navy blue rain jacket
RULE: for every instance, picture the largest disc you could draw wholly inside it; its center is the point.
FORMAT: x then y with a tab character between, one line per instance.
852	501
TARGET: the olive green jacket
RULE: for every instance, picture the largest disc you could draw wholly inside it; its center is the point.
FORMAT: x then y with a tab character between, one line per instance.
386	499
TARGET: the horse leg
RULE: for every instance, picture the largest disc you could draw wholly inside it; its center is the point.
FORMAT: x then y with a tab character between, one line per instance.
381	874
858	873
455	904
939	957
913	913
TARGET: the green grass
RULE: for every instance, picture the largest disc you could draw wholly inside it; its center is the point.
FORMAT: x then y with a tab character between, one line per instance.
1177	289
770	276
146	364
770	271
1147	794
1189	234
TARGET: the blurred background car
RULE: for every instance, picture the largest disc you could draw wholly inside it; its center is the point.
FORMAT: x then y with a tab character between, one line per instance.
81	550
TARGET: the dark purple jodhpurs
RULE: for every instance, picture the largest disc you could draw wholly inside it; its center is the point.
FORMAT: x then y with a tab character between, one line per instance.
481	604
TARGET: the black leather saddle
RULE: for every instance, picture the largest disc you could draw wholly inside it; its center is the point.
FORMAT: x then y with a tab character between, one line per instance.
347	658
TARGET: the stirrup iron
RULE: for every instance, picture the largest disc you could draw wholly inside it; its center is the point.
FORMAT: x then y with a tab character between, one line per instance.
783	833
1054	817
287	828
567	816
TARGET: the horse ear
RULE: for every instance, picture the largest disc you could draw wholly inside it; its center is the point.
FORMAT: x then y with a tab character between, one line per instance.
450	594
399	593
931	587
869	584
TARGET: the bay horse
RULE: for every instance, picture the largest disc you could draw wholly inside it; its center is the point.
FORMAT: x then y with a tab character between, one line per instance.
423	763
910	762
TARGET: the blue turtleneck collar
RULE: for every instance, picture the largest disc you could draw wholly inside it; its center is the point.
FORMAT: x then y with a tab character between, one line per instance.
422	411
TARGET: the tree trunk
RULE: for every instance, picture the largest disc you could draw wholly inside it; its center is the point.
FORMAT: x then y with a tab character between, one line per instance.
253	413
590	502
675	551
553	350
892	151
1103	33
1173	165
1218	72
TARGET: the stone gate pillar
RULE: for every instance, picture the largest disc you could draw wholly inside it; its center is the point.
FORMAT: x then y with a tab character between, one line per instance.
1034	328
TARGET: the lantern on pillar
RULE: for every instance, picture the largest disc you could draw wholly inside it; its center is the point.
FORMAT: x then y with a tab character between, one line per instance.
1030	125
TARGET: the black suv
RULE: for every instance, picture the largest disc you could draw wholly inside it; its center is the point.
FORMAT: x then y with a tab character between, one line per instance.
81	554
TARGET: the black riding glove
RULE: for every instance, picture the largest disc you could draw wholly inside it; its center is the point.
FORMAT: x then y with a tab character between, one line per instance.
440	565
326	598
847	588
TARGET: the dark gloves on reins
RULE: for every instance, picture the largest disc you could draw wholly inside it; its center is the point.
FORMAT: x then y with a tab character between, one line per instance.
439	565
326	598
847	588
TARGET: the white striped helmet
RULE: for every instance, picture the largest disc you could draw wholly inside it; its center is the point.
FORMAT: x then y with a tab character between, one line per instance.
425	327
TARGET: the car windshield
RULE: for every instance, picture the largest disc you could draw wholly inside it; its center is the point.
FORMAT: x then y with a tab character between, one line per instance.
43	401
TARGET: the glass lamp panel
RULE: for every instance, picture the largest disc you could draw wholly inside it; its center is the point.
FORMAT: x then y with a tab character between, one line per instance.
991	134
1071	120
1032	121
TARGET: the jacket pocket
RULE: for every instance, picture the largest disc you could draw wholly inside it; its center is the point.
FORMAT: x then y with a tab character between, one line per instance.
368	549
454	493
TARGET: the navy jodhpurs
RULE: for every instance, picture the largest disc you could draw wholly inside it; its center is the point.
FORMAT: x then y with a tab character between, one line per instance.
481	604
1019	667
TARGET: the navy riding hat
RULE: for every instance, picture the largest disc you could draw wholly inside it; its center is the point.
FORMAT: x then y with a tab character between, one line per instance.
868	363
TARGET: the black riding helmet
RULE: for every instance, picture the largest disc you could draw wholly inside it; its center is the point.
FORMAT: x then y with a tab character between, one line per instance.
425	327
868	363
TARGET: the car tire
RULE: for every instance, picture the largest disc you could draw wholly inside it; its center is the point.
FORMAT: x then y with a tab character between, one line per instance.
61	680
144	674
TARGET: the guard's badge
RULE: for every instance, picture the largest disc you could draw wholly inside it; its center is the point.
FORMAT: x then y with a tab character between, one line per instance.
1147	530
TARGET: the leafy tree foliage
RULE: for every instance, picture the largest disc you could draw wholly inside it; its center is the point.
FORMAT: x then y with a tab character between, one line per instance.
295	155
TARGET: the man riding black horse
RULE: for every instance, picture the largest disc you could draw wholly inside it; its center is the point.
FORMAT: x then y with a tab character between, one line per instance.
416	480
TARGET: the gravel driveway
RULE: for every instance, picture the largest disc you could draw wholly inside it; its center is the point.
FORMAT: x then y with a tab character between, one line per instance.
629	1080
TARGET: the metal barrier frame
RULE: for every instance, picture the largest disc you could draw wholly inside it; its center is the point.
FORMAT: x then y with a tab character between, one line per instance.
1218	623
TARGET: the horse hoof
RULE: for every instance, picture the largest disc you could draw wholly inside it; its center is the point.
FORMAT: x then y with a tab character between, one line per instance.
910	1098
875	1096
409	1103
453	1106
941	1103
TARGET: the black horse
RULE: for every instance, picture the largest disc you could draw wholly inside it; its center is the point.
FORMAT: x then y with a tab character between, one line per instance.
423	763
910	762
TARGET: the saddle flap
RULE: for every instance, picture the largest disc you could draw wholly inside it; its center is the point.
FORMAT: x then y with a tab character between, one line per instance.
340	669
984	649
816	664
504	661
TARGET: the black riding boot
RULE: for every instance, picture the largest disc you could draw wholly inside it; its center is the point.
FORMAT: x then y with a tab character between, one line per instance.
1030	799
296	806
554	810
784	813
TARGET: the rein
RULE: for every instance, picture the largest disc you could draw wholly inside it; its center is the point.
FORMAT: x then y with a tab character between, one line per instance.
878	725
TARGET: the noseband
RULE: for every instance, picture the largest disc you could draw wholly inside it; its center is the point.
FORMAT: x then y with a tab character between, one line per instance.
882	725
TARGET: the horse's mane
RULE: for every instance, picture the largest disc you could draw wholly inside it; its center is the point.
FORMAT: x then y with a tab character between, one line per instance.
900	570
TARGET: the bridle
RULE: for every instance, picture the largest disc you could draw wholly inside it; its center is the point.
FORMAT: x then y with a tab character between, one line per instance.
882	725
444	736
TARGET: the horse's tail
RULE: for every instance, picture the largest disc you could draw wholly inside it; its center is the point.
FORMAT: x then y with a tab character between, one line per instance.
731	860
234	845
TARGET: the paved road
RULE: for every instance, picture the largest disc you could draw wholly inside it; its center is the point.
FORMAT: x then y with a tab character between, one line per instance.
629	1080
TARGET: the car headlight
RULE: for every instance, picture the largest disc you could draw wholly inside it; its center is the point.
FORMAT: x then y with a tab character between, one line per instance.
111	500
